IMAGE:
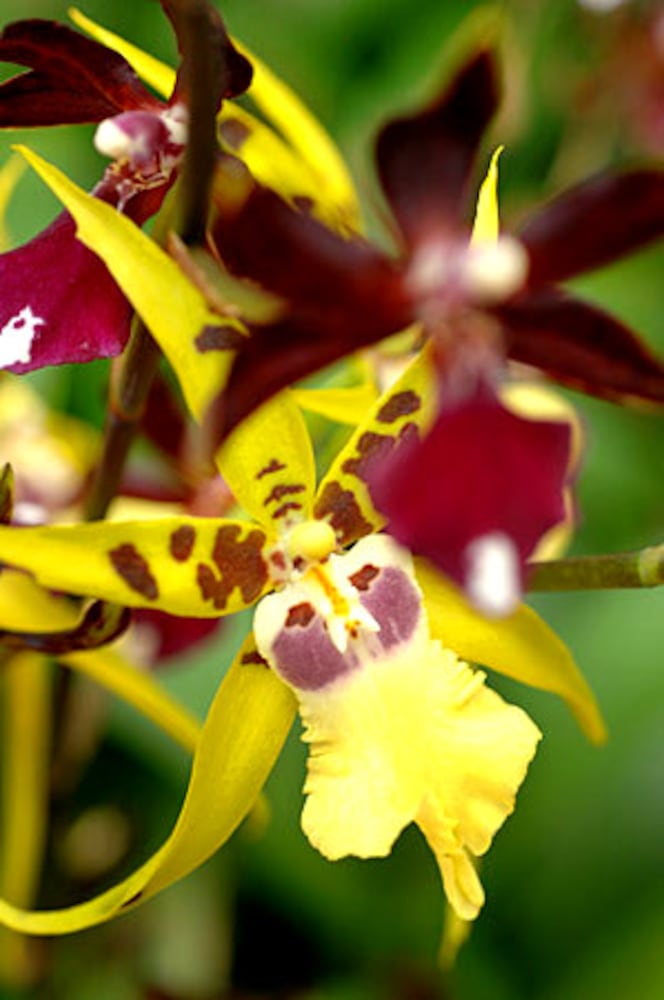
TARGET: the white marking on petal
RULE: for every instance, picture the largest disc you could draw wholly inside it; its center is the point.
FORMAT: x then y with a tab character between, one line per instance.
493	573
112	141
16	337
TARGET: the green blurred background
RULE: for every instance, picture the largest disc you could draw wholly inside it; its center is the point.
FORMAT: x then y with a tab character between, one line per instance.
575	881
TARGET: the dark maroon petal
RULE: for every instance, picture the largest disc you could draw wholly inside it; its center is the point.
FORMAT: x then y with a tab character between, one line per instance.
170	636
481	475
72	78
581	346
295	256
426	160
594	224
59	304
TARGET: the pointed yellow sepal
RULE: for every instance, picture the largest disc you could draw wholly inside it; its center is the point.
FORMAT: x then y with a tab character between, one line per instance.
521	646
198	344
243	734
486	227
306	135
156	73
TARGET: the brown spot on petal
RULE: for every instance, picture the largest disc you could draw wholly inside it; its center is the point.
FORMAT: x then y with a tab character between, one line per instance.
254	657
234	133
274	465
218	338
372	449
182	542
285	507
363	577
399	406
300	614
341	509
240	564
281	491
134	570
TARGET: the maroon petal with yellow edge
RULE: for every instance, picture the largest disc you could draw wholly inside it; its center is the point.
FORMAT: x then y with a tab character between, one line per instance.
580	346
426	160
71	78
476	495
593	224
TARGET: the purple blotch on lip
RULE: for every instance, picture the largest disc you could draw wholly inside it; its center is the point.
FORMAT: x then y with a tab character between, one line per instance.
395	604
306	657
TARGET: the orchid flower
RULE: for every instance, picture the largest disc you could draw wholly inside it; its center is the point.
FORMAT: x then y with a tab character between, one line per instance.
59	304
369	645
482	488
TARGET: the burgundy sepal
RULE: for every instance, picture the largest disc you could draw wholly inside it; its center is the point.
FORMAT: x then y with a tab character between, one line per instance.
59	304
593	224
476	494
580	346
426	160
71	78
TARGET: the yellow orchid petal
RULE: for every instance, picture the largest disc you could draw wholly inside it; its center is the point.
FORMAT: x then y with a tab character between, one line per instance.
195	567
268	462
284	109
198	344
344	404
153	71
244	731
521	646
10	174
408	406
486	226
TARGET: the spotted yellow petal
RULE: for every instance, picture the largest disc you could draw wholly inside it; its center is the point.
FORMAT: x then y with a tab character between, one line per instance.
521	646
199	345
195	567
406	408
244	731
268	463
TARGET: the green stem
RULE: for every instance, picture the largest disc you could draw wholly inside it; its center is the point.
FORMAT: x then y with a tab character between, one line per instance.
137	367
644	568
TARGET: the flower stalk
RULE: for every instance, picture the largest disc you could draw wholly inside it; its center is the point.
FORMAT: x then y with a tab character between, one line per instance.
136	369
619	570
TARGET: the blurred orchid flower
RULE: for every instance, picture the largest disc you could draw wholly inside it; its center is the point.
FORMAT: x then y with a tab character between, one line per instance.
59	303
